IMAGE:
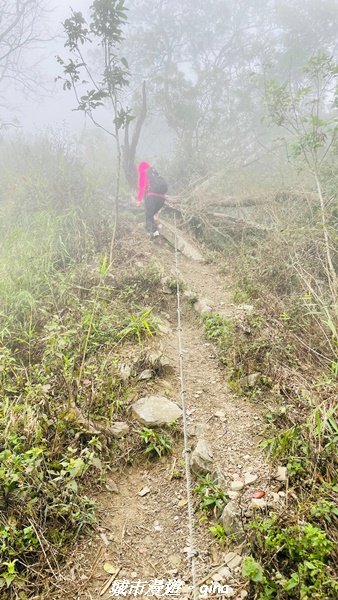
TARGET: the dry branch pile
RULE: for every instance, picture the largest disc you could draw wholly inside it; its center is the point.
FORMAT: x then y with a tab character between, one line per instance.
204	209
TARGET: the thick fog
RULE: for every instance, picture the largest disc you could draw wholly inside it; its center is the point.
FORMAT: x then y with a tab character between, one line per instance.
43	103
207	65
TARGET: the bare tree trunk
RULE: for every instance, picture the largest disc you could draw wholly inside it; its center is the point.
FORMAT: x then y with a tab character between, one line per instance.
129	149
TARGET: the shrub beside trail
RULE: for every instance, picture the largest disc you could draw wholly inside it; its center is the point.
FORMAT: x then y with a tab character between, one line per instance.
282	351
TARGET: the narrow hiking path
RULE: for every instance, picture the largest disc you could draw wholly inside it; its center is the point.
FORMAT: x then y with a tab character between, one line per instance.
144	527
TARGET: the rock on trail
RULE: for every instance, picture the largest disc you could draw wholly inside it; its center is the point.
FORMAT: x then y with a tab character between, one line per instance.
156	411
201	458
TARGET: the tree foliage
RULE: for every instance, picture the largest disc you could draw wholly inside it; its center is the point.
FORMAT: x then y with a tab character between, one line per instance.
104	84
206	62
105	30
306	110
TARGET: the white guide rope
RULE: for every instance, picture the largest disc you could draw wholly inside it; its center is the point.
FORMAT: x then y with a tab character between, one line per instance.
192	556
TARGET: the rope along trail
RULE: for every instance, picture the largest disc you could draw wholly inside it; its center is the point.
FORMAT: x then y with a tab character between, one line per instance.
192	556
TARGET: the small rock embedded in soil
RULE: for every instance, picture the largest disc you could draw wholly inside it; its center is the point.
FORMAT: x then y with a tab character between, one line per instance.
157	360
112	487
253	379
219	478
153	357
156	411
229	519
258	503
202	458
125	372
145	375
235	561
259	494
249	478
104	539
189	294
275	497
144	492
237	486
166	287
225	573
233	495
182	503
228	557
202	306
217	577
281	474
220	414
164	329
119	429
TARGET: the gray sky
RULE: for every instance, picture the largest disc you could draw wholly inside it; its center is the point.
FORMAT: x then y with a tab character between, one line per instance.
54	108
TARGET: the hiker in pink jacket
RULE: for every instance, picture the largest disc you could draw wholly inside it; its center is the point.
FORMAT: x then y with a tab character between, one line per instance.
152	189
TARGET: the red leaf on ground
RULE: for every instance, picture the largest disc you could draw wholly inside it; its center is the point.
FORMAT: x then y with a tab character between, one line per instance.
258	494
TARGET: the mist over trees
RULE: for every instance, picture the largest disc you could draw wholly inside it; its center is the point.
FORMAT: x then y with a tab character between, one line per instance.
22	30
235	103
206	64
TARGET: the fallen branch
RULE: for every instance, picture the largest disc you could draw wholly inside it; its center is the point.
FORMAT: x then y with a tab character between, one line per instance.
109	582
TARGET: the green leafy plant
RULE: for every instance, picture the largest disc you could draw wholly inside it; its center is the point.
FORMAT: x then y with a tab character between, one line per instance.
218	532
212	497
252	570
325	510
10	575
293	558
241	296
217	328
156	443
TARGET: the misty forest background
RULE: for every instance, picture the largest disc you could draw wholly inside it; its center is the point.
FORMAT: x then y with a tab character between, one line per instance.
235	103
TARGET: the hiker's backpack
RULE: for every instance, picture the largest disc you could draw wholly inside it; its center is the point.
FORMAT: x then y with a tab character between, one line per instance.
157	185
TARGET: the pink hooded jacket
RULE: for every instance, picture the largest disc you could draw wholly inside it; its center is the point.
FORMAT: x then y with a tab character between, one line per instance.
143	182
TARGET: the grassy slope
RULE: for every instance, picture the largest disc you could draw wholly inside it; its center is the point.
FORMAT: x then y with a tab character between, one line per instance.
290	340
65	319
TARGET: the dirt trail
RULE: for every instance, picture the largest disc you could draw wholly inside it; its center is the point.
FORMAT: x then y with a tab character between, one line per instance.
148	535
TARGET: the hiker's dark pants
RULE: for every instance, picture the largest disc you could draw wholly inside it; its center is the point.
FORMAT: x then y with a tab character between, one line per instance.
153	205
